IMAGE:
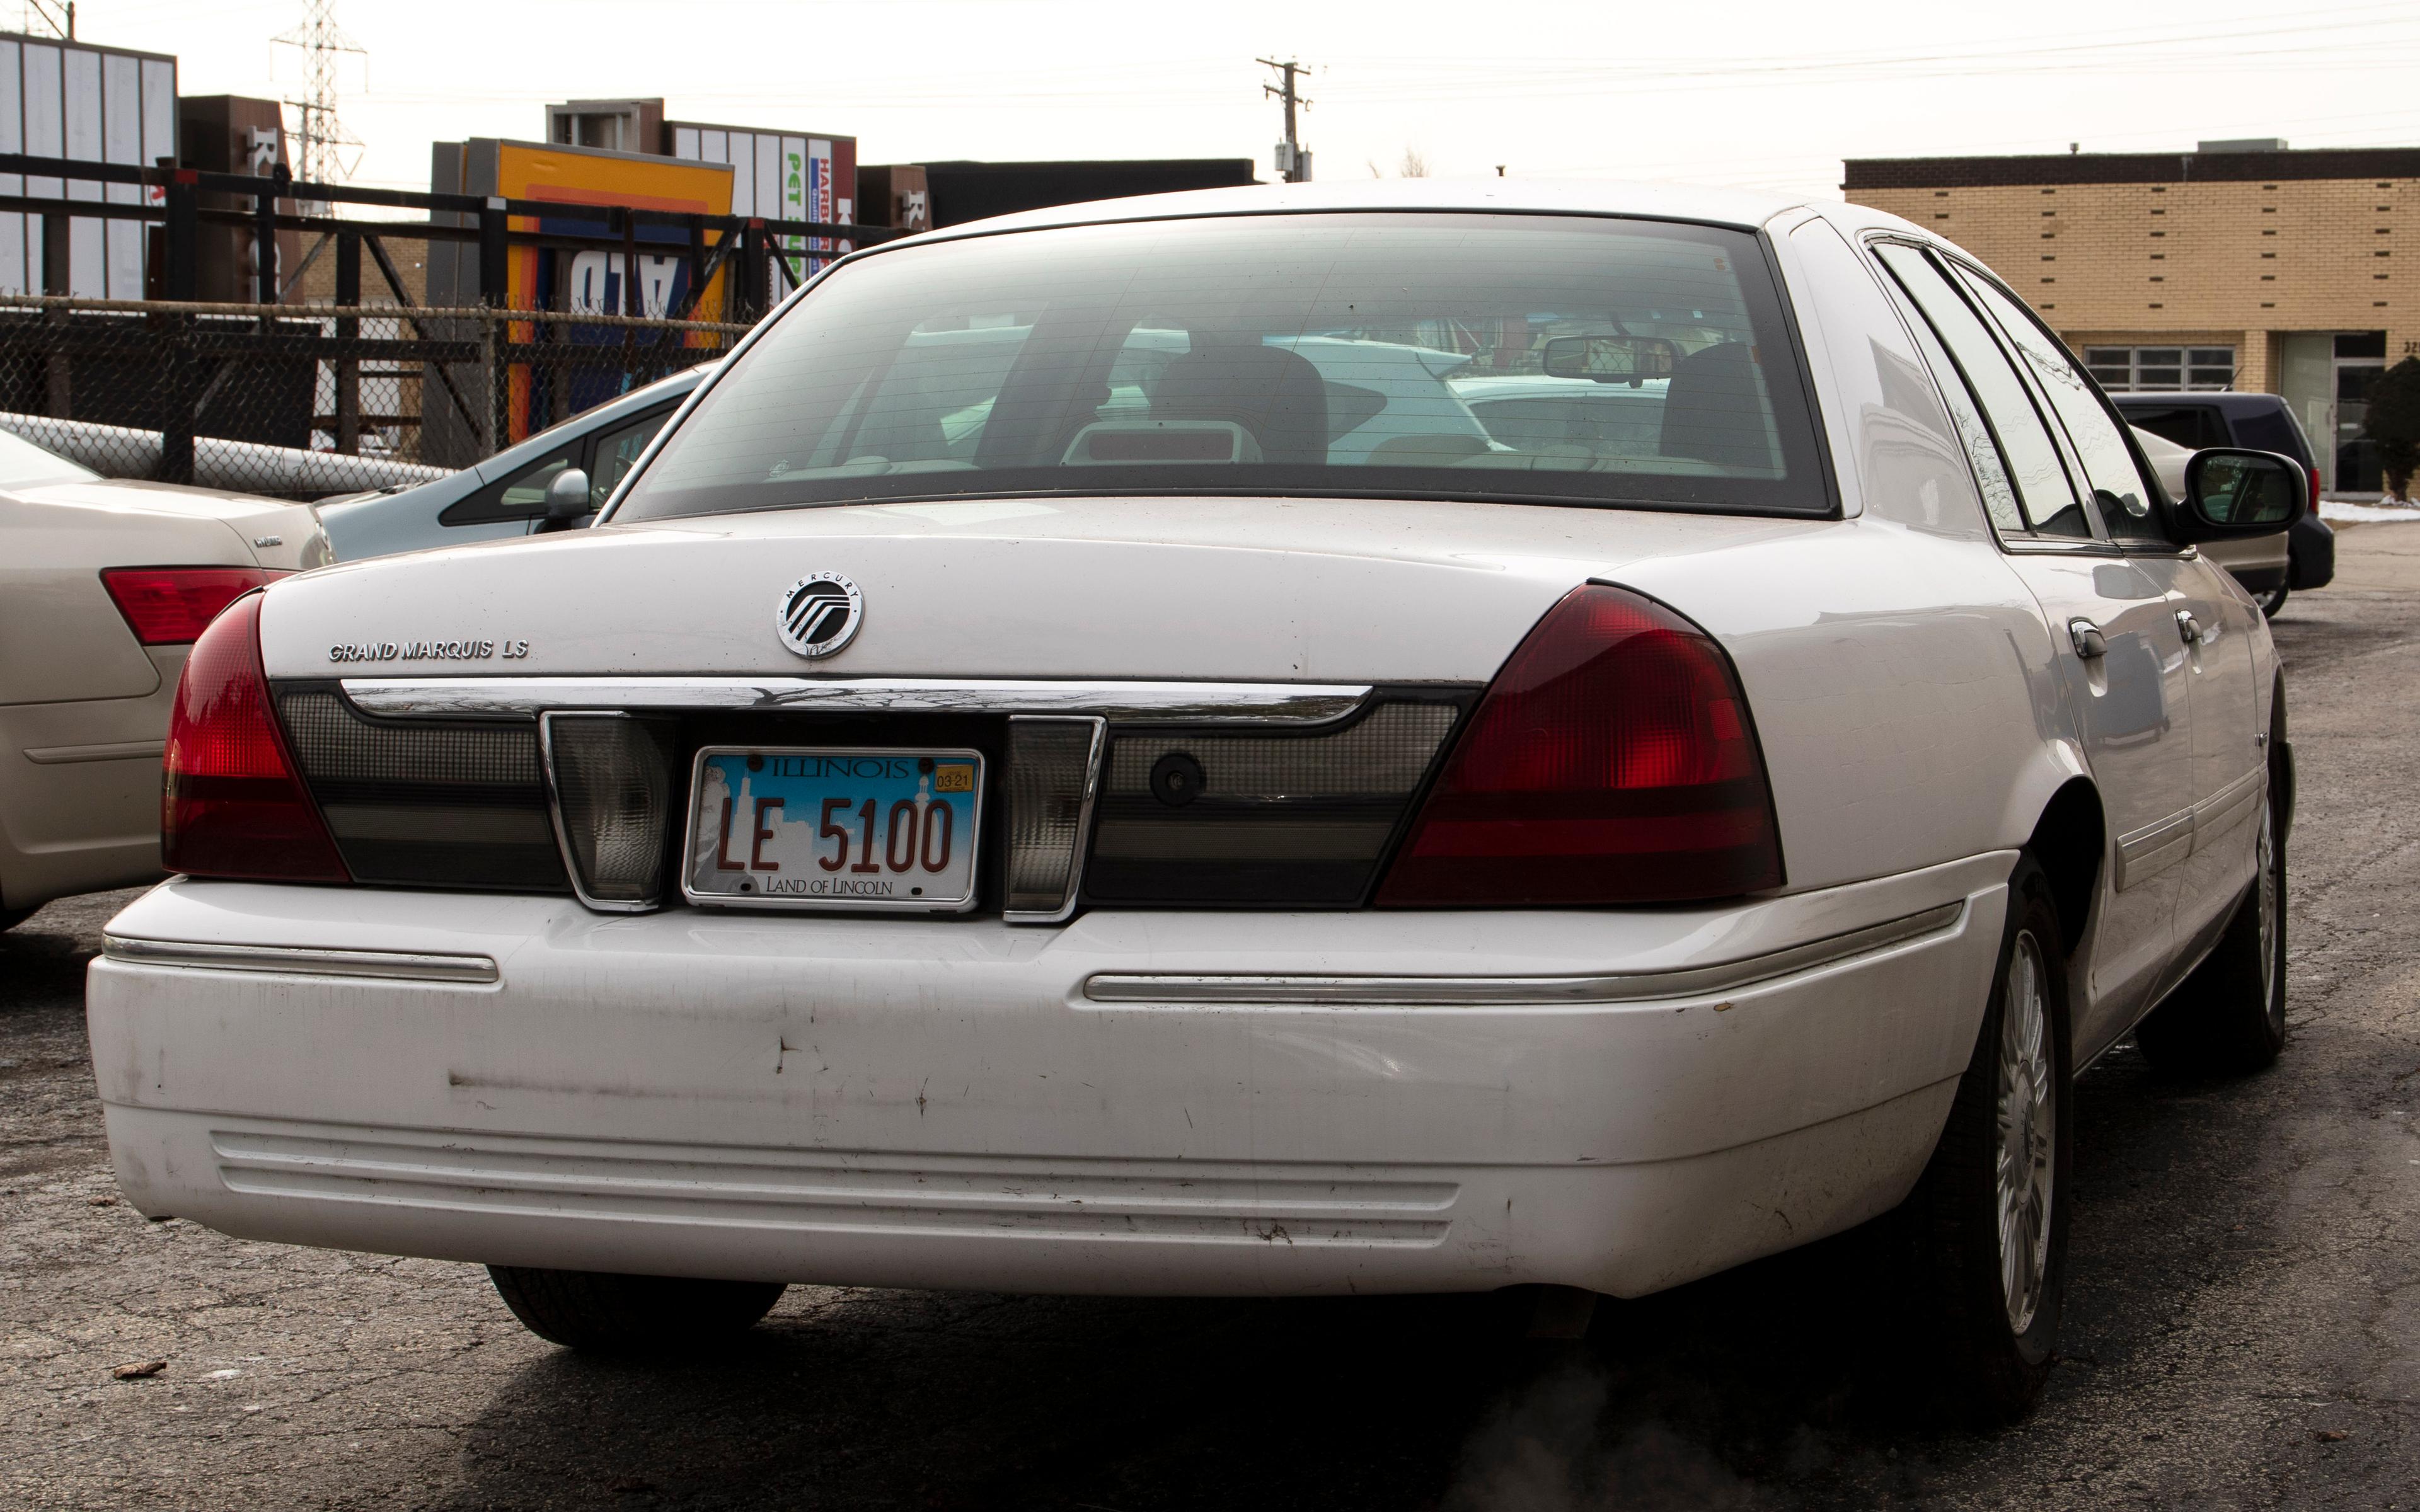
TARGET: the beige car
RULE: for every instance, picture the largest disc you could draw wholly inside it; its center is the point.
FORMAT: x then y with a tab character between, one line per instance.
104	586
2265	555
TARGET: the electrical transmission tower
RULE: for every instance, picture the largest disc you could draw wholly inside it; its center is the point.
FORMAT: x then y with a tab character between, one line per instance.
323	136
60	20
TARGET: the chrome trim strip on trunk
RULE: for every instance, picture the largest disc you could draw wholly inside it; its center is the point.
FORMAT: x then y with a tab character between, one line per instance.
1293	703
309	960
1450	991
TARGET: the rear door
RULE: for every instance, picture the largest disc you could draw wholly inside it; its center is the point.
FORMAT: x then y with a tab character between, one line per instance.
2113	615
2215	619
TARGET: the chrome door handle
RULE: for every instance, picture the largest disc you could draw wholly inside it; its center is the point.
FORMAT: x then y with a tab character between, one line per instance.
2188	626
2087	638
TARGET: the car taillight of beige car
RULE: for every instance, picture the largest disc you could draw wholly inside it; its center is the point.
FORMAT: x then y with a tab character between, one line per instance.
104	584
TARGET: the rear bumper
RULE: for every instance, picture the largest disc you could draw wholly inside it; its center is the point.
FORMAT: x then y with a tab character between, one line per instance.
962	1104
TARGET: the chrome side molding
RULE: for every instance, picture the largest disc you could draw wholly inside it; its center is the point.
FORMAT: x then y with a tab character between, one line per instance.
2153	849
1290	703
300	960
1472	992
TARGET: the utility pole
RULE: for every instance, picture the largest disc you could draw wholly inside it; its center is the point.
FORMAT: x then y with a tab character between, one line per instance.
1292	162
320	40
62	28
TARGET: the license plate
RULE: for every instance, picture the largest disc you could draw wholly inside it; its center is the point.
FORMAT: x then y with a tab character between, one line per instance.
834	827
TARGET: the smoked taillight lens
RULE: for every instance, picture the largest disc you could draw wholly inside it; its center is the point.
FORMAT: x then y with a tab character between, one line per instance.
233	805
172	605
1610	762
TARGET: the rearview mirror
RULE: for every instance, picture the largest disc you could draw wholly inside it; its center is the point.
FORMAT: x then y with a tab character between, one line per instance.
1631	360
566	497
2231	493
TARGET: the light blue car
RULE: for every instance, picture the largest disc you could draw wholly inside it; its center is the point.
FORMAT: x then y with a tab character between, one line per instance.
507	494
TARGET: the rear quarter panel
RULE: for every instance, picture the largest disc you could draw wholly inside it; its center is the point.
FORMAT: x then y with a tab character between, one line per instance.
1901	687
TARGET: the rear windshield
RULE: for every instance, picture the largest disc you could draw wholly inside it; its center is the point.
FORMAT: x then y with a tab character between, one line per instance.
1531	358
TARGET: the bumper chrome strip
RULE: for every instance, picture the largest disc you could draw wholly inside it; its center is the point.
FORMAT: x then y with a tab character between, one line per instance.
1191	702
1447	992
309	960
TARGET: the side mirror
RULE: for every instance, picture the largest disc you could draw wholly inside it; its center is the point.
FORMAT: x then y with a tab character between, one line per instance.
2231	493
1631	360
567	498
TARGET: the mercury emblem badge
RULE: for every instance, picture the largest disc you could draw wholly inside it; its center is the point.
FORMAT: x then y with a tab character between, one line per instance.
818	613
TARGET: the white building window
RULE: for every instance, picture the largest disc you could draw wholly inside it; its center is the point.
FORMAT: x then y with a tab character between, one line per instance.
2156	369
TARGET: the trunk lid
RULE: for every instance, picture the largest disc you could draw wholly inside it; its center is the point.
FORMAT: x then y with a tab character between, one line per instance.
1244	589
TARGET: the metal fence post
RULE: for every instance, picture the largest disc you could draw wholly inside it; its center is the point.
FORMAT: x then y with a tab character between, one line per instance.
264	234
494	275
58	399
760	271
185	233
182	388
493	269
348	328
491	359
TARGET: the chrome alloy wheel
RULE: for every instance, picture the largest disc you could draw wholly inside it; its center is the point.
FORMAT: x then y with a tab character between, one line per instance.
2271	904
2027	1133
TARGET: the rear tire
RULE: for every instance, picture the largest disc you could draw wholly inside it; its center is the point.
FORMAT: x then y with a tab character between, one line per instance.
606	1314
2228	1018
1986	1227
2274	601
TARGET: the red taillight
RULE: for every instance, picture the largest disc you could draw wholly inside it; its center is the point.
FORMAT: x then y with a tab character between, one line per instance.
2313	473
172	605
1611	762
233	805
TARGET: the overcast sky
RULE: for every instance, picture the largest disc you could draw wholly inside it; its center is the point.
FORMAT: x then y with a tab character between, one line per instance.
1767	93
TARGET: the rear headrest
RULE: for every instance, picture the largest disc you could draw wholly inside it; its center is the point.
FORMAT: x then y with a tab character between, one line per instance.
1276	395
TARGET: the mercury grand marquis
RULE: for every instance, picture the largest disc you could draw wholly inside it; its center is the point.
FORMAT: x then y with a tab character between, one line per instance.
1003	799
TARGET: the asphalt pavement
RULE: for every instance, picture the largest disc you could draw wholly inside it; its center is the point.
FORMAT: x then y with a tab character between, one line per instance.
2243	1324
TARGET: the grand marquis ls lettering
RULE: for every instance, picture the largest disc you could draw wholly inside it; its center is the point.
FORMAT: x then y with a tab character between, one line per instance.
1520	736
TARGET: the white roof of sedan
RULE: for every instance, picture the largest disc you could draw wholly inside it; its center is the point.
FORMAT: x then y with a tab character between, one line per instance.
1566	196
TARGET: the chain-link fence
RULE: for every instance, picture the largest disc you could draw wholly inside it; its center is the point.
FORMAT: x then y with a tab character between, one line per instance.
303	402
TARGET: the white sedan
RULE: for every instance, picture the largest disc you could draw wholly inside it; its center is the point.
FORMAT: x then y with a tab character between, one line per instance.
958	823
104	583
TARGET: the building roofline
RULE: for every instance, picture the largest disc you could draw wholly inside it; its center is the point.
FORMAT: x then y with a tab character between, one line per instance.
2055	169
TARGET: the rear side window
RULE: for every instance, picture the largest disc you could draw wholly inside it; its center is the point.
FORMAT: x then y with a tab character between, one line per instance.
2118	485
519	496
2031	456
2191	425
616	449
2271	430
1617	362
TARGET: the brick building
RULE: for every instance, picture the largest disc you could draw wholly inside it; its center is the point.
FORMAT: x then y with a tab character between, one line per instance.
2242	265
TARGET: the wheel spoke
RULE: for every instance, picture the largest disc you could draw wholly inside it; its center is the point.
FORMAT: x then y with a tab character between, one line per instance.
2025	1117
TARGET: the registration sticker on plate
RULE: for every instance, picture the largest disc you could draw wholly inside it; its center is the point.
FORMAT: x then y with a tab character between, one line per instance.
834	827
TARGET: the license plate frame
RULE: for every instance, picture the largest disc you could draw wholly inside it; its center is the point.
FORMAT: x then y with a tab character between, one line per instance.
706	847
